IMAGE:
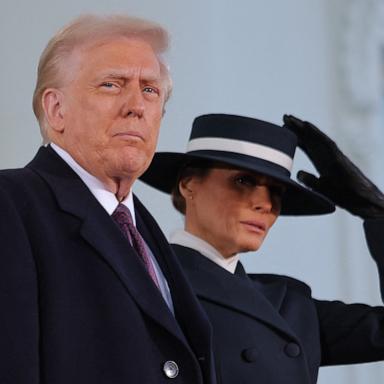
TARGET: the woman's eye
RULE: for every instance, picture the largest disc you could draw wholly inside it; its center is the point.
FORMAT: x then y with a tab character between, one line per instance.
245	180
277	191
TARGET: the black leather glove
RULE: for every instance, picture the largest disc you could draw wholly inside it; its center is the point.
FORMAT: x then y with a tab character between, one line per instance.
340	180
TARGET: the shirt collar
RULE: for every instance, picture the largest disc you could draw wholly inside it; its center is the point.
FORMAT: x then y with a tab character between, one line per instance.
105	197
186	239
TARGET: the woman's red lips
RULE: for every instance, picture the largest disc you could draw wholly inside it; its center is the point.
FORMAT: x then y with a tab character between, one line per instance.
257	225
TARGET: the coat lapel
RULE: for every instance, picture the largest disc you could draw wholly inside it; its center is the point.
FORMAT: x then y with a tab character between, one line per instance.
235	291
274	292
190	316
103	235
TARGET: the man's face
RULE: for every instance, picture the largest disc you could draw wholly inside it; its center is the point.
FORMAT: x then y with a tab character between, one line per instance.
112	108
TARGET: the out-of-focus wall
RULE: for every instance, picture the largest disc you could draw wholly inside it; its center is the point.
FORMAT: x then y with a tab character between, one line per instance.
321	60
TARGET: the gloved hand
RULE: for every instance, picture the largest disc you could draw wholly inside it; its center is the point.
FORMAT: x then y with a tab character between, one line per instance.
340	180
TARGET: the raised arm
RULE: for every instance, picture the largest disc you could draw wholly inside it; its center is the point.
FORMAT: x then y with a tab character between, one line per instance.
343	183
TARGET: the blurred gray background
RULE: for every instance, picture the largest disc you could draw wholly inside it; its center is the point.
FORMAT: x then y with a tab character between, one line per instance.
321	60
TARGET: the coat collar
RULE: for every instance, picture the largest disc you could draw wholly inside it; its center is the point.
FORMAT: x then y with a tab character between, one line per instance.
102	234
237	291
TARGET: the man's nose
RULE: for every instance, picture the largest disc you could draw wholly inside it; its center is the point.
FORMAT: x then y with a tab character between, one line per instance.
261	199
133	102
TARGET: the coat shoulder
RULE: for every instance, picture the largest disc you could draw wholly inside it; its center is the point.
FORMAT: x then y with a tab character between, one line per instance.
19	186
15	179
290	282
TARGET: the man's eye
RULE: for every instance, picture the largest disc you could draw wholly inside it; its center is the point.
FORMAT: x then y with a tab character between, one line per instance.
107	84
151	90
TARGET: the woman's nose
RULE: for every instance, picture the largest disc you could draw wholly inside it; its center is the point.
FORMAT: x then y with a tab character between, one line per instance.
261	199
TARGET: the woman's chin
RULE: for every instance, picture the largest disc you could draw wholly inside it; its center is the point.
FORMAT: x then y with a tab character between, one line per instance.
250	247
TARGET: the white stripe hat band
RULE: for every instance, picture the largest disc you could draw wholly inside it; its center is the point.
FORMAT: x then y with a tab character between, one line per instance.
243	148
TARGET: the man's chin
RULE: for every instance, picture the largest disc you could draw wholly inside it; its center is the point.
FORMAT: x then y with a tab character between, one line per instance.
129	159
131	170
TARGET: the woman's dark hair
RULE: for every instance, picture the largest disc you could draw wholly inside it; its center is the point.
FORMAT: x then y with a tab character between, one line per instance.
198	168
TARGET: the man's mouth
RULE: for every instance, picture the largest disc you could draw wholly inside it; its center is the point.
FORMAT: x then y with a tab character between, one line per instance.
129	135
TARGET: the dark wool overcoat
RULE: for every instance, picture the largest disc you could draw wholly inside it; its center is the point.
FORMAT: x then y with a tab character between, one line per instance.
76	304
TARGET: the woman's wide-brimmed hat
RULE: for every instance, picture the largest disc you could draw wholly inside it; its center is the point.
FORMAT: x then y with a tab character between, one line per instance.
245	143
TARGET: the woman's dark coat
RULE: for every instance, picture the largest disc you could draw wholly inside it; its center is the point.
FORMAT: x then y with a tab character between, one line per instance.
268	329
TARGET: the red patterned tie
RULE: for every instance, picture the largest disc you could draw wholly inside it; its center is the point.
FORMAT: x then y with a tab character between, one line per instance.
123	218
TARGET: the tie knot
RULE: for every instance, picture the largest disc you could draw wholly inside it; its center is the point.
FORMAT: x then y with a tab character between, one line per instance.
122	215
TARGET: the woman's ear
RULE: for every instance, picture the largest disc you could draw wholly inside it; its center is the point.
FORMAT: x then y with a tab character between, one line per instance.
186	187
52	102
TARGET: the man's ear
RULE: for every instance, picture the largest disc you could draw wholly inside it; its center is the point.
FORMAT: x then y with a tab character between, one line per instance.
52	102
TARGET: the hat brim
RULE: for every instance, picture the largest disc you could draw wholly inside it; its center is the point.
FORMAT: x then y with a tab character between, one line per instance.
297	200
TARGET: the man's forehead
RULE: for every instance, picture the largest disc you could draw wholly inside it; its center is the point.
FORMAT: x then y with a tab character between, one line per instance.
118	57
108	43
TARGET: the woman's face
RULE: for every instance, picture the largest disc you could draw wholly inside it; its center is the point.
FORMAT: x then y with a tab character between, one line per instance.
230	208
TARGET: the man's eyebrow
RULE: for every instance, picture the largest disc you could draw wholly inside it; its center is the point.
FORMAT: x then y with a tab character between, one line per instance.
145	75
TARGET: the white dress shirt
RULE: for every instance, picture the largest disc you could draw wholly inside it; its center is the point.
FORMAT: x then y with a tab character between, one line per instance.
186	239
109	202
